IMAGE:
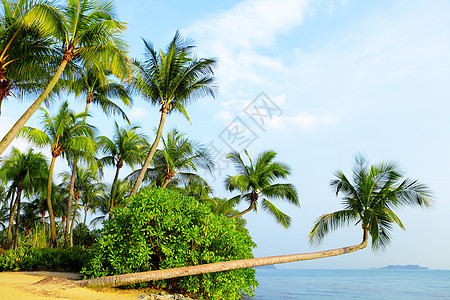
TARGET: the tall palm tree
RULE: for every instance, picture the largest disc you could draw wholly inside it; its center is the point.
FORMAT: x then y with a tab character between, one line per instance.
171	80
27	173
180	158
98	89
126	147
87	188
63	132
88	32
369	201
256	180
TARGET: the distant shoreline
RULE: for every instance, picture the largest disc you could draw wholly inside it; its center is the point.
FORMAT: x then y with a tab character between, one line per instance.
402	267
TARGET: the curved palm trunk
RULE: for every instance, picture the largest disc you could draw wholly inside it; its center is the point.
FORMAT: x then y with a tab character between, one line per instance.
69	201
73	220
164	111
11	217
12	133
126	279
253	199
252	205
49	202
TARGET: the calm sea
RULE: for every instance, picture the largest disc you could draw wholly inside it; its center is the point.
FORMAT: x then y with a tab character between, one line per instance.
352	284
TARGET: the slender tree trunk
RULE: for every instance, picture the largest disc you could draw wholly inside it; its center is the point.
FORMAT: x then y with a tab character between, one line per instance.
73	221
135	278
69	201
16	232
12	133
11	217
113	189
252	205
49	202
166	181
85	214
253	199
12	201
43	221
164	111
72	183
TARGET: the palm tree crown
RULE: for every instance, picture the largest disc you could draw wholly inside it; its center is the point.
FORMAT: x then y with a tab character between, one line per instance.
171	79
370	201
66	133
256	180
179	158
126	147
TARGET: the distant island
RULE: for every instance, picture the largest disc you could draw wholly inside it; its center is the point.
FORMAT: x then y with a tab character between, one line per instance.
403	267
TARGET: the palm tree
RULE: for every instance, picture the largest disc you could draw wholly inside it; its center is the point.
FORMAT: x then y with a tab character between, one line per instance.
98	89
27	173
63	132
87	188
256	180
23	47
88	32
369	201
126	147
171	79
180	158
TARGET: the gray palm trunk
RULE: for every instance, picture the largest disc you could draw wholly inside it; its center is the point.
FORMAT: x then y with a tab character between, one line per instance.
135	278
164	111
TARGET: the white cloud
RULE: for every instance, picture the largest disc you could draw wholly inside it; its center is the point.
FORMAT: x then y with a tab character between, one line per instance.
224	116
303	120
236	37
137	113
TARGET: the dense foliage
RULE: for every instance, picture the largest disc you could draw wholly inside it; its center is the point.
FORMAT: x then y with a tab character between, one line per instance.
162	229
52	259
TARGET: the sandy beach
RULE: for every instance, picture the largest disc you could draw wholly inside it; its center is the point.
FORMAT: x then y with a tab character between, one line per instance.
54	285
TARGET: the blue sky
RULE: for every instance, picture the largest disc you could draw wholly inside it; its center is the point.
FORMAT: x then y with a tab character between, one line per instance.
345	77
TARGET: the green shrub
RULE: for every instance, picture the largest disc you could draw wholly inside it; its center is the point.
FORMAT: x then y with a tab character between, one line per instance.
57	259
82	236
162	229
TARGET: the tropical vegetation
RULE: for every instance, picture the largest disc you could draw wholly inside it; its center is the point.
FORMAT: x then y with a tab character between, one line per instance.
177	232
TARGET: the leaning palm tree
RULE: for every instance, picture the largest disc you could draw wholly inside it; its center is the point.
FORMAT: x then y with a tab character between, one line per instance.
171	80
27	173
256	180
63	132
126	147
369	201
88	32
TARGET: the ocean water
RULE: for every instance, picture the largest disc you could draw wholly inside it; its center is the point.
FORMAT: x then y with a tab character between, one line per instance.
293	284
